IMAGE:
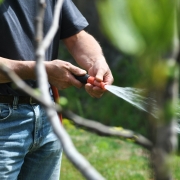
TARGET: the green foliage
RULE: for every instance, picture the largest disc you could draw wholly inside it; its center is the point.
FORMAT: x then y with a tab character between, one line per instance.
114	158
138	27
37	92
147	30
118	26
68	124
63	101
144	29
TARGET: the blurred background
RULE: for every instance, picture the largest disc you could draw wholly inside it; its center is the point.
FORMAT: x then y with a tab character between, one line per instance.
140	42
109	109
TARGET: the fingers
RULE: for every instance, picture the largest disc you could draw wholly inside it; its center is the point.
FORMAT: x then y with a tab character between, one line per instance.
100	74
76	70
94	91
108	78
75	82
60	74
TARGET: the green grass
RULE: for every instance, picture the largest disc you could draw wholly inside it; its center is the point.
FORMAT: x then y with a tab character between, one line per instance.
114	158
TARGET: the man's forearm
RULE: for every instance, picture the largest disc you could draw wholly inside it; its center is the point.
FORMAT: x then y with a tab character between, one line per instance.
59	72
24	69
84	48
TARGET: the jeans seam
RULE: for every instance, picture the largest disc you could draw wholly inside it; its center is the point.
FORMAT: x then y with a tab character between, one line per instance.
33	146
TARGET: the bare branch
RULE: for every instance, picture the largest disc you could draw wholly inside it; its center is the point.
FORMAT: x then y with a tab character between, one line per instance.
35	94
89	124
50	35
75	157
106	130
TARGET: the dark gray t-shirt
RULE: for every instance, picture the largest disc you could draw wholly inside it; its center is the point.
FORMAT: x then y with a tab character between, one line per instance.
17	19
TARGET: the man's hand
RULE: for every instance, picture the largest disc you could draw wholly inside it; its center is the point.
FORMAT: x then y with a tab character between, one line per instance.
102	73
60	74
88	54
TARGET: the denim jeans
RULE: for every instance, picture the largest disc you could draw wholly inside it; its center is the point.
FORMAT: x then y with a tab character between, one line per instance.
29	150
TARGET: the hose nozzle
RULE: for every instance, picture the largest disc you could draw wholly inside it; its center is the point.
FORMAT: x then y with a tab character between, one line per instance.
90	79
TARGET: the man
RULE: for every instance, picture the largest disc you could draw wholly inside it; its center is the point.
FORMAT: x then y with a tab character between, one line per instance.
28	147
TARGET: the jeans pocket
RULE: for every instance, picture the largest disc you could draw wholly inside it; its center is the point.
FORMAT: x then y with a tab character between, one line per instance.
5	111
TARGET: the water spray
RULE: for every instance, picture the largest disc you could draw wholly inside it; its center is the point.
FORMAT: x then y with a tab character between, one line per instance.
131	95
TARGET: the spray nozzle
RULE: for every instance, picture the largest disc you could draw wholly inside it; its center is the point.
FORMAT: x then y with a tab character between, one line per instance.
90	79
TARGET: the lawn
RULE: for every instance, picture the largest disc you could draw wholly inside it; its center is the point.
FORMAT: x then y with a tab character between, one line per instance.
115	159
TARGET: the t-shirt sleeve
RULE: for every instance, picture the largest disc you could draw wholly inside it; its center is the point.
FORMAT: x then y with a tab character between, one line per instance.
72	21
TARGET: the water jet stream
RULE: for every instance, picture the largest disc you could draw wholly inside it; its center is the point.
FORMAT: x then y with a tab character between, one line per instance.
132	95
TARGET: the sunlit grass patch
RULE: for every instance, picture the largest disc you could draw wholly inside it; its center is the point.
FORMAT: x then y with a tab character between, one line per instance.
114	158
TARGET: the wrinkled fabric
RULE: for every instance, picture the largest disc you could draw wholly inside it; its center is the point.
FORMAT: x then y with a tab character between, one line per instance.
17	20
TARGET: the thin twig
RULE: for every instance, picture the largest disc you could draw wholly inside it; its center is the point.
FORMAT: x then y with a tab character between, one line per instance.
103	130
34	93
50	35
74	156
91	125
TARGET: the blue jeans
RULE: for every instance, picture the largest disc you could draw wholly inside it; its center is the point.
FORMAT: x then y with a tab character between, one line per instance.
29	150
